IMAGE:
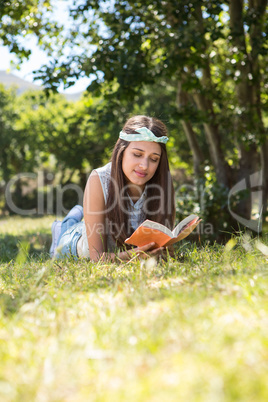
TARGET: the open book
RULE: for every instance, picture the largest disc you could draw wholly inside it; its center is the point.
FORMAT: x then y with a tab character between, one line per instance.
150	231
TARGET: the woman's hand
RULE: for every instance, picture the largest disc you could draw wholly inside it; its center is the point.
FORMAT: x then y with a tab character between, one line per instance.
140	252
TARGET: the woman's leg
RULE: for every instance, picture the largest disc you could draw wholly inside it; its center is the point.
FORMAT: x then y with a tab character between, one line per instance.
58	229
74	216
67	246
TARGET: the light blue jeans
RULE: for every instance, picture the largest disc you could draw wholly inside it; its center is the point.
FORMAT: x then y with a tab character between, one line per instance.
71	231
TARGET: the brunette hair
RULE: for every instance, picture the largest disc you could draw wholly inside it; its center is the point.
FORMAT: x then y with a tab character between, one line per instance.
159	207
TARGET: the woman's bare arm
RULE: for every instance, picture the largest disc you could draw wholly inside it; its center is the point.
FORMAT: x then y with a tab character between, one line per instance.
94	215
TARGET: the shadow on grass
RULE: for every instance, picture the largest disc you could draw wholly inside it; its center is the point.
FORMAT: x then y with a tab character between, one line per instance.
38	245
8	304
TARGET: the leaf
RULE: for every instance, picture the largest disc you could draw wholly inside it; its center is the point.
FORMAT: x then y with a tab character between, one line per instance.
261	247
23	253
230	245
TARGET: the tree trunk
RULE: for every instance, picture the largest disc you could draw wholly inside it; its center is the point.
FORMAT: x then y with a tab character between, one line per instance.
213	139
6	176
198	157
256	29
205	105
264	165
250	113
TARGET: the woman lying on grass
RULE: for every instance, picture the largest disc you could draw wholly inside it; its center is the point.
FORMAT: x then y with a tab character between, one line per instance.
136	185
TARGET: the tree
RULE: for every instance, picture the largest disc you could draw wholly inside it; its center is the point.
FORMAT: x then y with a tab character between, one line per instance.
18	149
36	130
214	53
19	19
7	116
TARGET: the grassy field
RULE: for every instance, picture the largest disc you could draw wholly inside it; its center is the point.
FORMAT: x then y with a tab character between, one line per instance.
192	328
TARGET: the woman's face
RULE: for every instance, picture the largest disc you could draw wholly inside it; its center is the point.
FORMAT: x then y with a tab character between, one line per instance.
140	161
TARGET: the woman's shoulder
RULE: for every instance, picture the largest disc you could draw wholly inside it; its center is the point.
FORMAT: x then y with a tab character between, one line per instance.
104	174
104	170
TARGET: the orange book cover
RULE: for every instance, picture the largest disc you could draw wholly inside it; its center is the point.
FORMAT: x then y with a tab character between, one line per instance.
150	231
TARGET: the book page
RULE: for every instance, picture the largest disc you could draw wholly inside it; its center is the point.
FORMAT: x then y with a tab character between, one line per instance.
183	223
184	233
157	226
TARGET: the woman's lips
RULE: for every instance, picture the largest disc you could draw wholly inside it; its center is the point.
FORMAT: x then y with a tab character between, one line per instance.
140	174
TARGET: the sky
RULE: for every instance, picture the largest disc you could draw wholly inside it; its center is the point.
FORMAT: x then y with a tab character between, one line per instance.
38	57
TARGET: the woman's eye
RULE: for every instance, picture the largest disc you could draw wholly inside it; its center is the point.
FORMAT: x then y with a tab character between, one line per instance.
154	160
137	155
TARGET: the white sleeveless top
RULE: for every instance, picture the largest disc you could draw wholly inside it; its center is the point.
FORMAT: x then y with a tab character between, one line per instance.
137	216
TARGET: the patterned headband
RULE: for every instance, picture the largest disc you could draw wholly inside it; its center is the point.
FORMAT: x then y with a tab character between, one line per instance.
145	135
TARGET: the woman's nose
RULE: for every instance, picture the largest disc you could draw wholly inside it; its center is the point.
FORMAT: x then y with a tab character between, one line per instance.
144	163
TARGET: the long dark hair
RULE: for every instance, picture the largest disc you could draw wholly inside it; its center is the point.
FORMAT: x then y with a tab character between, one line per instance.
159	205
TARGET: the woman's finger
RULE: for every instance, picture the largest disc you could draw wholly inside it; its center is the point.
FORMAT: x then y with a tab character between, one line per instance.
146	247
157	251
144	255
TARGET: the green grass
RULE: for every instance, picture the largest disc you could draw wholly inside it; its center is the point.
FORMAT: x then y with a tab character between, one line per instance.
192	328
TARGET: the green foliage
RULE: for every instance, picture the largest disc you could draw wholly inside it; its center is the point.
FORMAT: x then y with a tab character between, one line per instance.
27	18
191	328
202	63
209	200
7	115
64	129
51	136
